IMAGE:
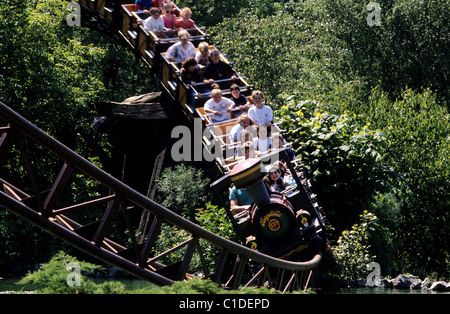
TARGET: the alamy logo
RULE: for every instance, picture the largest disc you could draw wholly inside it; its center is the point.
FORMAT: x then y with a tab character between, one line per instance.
74	17
74	278
375	275
374	17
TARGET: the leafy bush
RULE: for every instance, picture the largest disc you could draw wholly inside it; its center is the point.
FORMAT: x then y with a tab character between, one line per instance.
342	158
418	129
286	50
351	253
182	189
52	278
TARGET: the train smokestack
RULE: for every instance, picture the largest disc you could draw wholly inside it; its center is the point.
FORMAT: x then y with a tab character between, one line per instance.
248	175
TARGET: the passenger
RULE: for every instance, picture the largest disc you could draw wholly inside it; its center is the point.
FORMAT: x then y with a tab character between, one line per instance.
249	151
275	182
260	113
278	143
169	18
191	74
155	23
263	142
240	101
202	54
246	145
185	22
181	50
219	106
285	173
143	5
243	123
240	200
218	69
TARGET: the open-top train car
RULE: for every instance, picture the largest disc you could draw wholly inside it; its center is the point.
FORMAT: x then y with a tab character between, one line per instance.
289	225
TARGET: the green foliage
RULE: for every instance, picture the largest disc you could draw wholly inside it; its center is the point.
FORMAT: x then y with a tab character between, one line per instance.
51	278
182	189
283	51
410	48
351	254
215	220
52	74
342	158
417	128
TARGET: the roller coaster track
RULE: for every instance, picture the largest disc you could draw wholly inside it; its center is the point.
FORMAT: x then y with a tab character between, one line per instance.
48	208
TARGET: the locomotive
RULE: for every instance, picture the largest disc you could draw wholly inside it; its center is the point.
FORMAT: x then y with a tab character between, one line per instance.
288	225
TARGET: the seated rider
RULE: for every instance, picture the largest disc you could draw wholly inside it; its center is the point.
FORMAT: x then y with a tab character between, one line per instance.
155	23
202	54
218	106
260	113
181	50
185	22
243	123
240	101
240	200
218	69
278	143
275	182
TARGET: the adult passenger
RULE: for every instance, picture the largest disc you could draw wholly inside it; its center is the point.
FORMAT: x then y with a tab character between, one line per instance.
218	69
143	5
240	200
191	74
181	50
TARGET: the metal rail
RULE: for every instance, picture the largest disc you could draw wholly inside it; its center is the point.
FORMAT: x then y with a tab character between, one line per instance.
46	216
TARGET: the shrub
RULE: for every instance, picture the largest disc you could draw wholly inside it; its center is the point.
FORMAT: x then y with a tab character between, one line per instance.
182	189
341	158
351	254
52	278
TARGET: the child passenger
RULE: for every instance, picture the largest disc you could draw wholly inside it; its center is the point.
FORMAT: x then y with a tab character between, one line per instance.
155	23
202	55
263	142
185	22
219	106
169	18
240	101
260	113
243	123
275	181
